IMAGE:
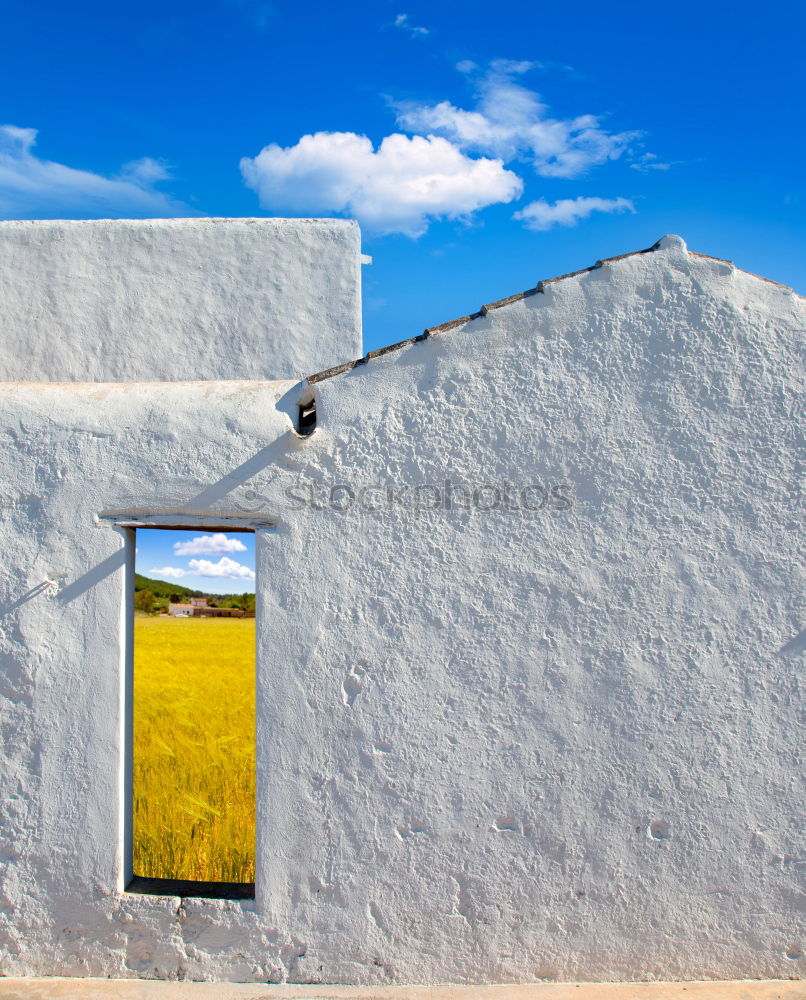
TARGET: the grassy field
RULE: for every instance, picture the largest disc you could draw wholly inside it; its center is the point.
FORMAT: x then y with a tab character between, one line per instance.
194	748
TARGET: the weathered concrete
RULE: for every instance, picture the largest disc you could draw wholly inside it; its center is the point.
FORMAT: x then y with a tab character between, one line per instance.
177	299
493	745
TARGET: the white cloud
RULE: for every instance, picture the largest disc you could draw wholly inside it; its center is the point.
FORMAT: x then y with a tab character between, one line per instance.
402	21
649	161
32	188
541	215
209	545
172	572
399	188
225	567
145	171
510	121
453	164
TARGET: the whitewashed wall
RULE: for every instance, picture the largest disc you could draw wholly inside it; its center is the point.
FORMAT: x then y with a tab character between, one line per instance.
498	745
177	299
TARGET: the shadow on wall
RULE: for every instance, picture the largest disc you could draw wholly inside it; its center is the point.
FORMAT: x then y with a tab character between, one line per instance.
794	646
95	575
41	588
203	501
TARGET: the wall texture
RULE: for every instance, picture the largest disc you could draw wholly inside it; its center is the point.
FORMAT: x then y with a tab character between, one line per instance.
493	744
177	299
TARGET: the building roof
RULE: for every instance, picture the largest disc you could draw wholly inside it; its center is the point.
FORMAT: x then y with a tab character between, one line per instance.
663	243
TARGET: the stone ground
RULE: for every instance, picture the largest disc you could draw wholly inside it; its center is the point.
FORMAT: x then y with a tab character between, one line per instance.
140	989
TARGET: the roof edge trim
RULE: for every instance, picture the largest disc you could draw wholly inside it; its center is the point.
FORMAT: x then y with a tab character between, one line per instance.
539	288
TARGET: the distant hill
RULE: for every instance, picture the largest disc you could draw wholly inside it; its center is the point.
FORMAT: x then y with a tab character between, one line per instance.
159	588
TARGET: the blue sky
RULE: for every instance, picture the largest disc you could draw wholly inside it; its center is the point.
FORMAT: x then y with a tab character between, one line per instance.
213	562
482	146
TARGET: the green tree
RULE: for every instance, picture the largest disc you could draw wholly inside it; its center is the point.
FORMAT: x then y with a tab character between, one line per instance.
144	600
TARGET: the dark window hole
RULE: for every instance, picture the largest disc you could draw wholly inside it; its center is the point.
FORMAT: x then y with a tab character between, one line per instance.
307	418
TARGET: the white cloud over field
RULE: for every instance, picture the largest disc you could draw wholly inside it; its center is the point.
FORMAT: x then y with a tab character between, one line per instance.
225	567
207	545
172	572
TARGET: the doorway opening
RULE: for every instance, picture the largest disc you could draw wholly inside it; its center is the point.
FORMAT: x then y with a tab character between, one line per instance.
193	713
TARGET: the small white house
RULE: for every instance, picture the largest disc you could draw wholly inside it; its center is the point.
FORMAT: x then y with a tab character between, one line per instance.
181	610
530	609
189	608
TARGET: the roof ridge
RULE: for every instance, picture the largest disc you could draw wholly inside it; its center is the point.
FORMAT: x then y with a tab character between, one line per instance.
538	289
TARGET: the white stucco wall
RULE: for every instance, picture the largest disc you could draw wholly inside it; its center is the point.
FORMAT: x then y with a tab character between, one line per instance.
498	745
177	299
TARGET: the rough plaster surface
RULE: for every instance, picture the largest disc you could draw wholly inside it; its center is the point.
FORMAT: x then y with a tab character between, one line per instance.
492	746
168	300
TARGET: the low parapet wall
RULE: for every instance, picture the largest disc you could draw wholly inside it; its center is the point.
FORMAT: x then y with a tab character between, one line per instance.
177	299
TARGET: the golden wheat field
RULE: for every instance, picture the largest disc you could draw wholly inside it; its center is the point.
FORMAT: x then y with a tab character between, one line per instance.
194	749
